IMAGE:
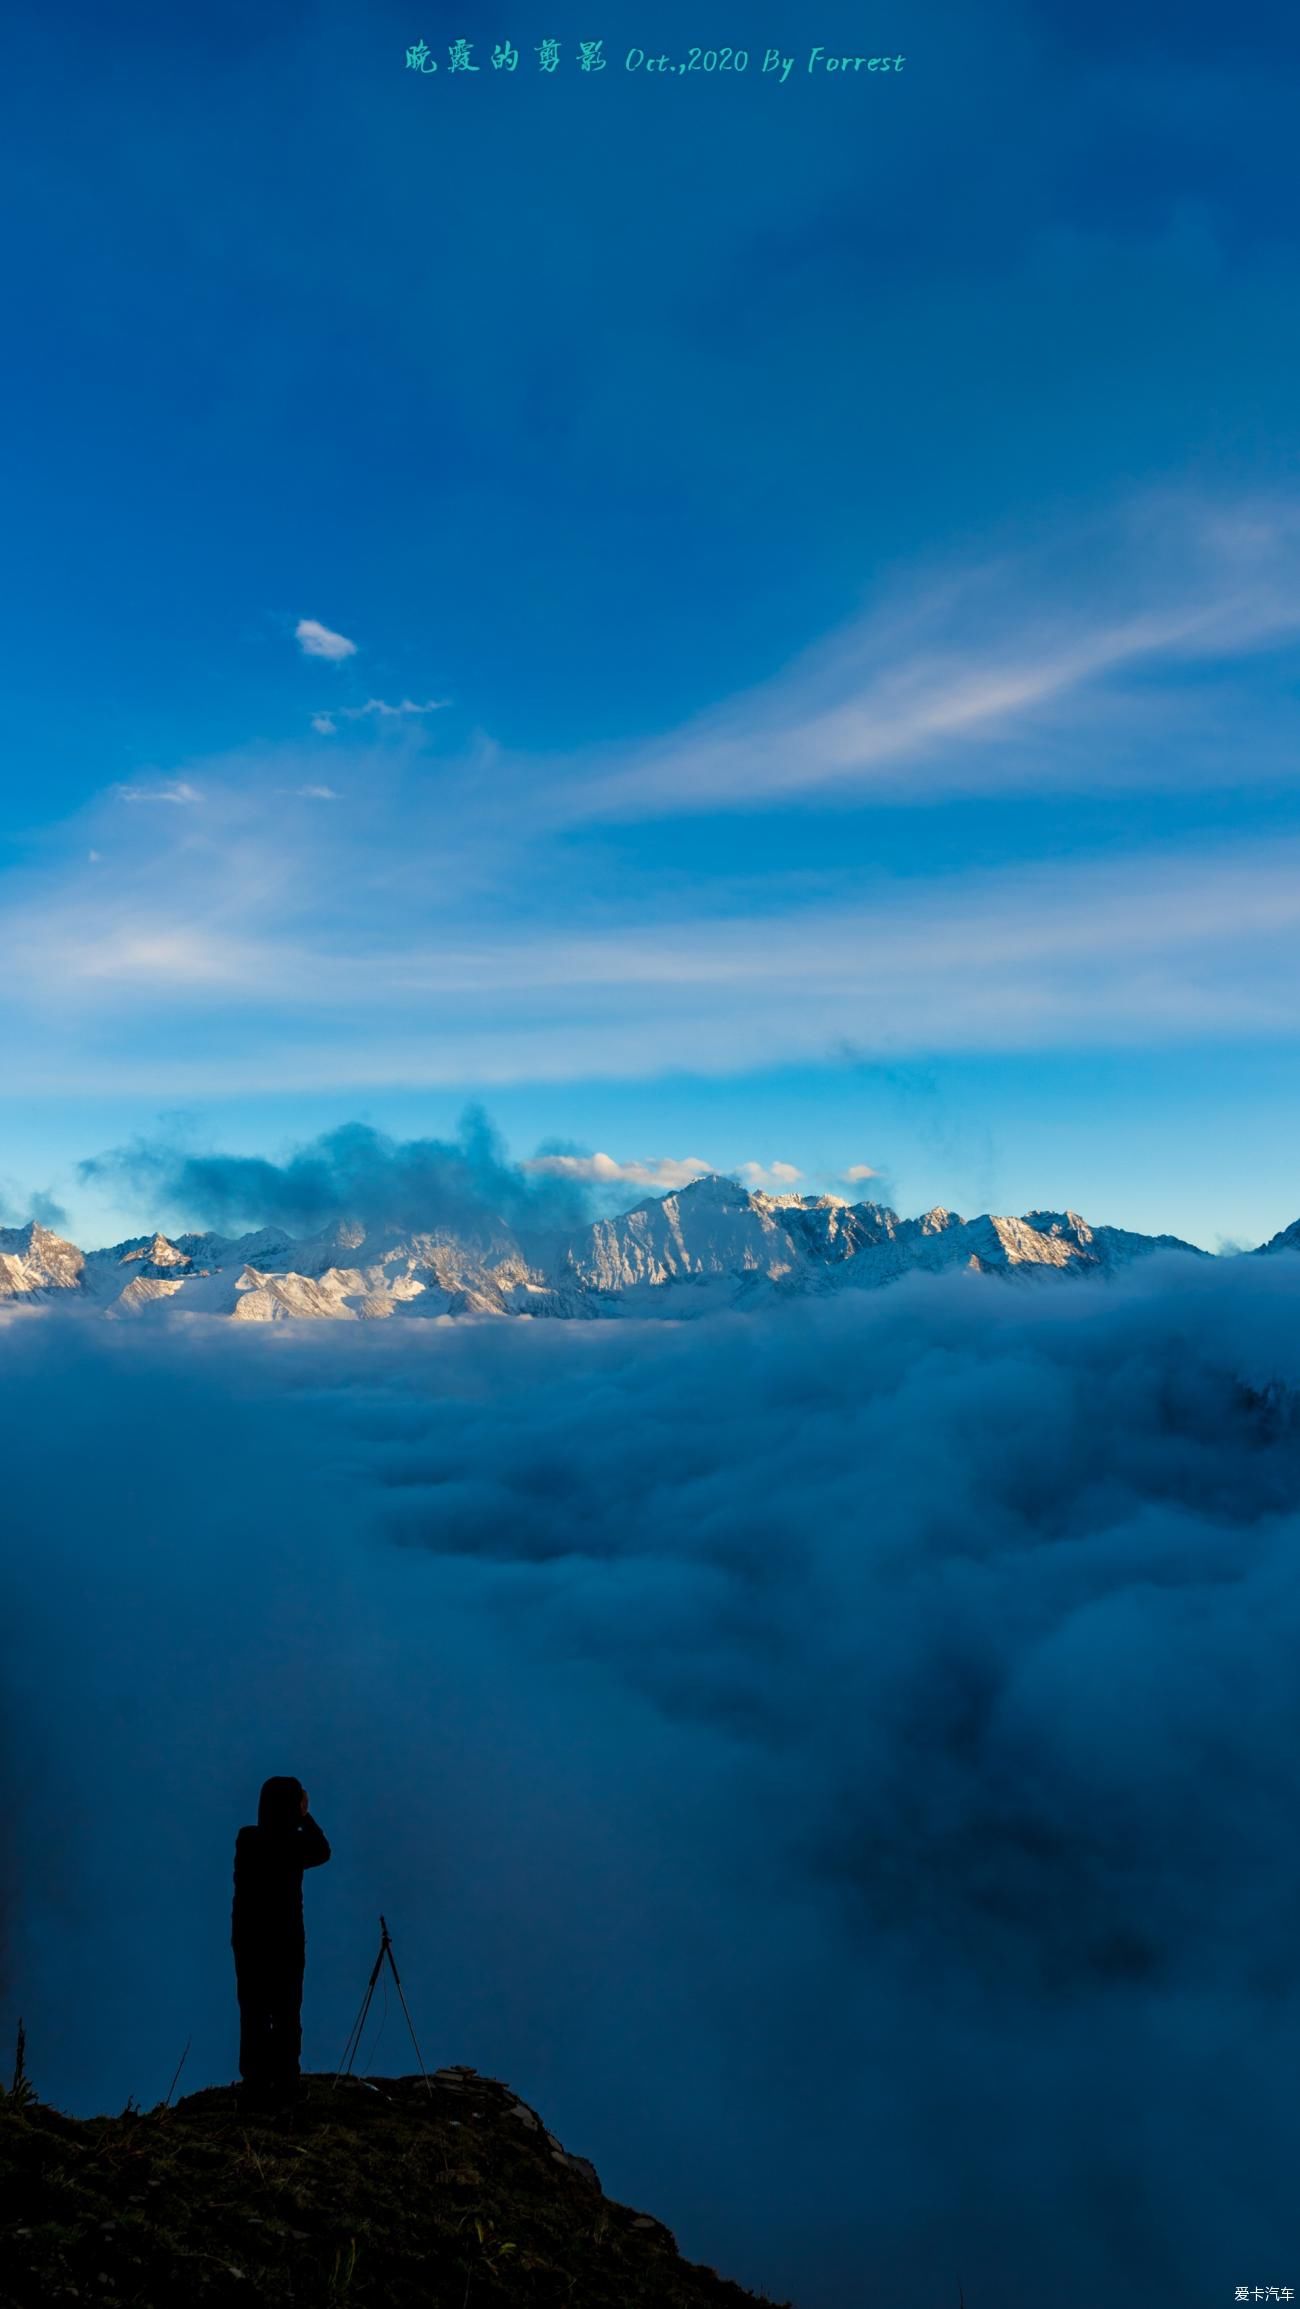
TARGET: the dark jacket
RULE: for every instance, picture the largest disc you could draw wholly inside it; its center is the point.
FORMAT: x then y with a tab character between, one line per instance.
266	1917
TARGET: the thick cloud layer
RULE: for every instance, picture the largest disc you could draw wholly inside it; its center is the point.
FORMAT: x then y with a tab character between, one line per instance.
841	1765
467	1184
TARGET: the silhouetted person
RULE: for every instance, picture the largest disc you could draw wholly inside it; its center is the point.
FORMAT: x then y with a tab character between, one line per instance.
267	1935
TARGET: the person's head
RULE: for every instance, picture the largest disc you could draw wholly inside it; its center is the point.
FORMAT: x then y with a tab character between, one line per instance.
280	1803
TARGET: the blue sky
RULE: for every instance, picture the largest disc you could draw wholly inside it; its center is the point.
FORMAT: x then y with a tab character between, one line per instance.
842	540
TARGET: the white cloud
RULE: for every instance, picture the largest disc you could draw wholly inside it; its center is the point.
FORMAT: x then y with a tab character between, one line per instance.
510	962
316	640
777	1178
171	790
166	955
1171	946
859	1171
666	1171
327	724
941	690
382	707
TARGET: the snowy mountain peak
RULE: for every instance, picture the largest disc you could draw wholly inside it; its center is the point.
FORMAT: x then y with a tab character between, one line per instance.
34	1261
1288	1240
1060	1223
710	1244
157	1253
711	1187
19	1242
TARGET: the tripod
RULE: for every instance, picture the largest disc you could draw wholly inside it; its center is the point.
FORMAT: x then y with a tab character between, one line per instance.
352	2046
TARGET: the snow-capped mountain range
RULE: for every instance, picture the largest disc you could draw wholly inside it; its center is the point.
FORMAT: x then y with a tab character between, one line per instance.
711	1244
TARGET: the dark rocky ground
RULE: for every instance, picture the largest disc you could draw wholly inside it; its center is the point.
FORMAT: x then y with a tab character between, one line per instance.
348	2195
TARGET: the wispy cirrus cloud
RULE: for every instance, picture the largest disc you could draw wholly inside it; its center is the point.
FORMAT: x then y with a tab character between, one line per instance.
375	708
176	790
317	640
297	990
328	953
1072	662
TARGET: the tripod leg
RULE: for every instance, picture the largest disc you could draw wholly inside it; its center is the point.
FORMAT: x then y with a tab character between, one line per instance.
353	2045
414	2039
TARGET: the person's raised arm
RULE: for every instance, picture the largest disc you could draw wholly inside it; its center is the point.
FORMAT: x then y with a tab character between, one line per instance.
313	1847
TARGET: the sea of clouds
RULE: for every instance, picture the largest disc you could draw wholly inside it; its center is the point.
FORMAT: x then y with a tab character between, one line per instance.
840	1765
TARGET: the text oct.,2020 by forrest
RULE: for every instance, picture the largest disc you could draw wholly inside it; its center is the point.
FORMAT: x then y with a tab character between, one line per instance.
552	56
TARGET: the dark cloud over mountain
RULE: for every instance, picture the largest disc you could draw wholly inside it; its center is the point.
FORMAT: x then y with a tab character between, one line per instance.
843	1764
353	1172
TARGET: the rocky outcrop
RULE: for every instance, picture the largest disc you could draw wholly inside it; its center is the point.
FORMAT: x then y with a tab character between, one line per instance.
385	2194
